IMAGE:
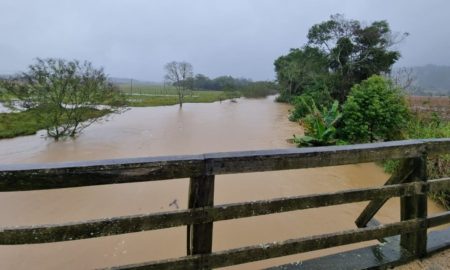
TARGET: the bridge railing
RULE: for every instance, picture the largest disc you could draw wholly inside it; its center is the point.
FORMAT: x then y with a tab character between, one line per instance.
410	183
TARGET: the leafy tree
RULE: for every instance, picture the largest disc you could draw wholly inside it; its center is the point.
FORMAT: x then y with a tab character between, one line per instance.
180	74
300	69
258	89
355	52
375	110
317	93
339	52
202	82
63	94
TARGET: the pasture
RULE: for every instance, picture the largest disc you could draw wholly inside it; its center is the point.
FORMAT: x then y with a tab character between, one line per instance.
141	95
426	106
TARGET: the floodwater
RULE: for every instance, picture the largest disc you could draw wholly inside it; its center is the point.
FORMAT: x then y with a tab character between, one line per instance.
197	128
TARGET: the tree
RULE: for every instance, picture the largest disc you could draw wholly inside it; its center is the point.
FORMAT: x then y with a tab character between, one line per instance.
339	54
202	82
180	74
403	78
299	70
64	94
375	110
355	52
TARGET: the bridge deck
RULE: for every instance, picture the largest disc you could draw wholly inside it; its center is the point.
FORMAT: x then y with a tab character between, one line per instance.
382	256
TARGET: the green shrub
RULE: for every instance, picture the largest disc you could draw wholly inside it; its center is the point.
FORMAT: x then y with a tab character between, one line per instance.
438	166
258	89
317	93
375	110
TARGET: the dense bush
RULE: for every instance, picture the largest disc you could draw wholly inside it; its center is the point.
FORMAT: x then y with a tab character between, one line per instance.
317	93
258	89
375	110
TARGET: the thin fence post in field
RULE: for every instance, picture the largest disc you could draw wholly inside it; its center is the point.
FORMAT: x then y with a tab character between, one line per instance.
199	236
413	207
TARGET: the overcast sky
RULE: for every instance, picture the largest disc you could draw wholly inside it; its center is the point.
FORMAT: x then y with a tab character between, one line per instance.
134	39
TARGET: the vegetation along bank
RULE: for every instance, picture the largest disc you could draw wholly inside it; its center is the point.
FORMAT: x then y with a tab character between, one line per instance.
343	91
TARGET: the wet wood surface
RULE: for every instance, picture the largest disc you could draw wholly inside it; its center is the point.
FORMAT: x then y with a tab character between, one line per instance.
409	182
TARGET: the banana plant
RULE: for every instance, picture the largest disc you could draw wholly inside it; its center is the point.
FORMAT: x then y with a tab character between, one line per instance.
319	125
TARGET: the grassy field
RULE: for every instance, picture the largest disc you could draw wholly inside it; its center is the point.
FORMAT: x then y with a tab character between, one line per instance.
432	120
427	106
145	89
29	122
155	95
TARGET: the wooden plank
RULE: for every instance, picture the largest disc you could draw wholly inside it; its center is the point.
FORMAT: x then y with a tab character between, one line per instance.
438	219
311	157
383	256
64	175
103	172
374	223
436	185
399	176
437	146
137	223
415	207
199	236
279	249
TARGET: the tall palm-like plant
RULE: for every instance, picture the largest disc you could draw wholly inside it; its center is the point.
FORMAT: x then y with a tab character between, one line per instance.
319	125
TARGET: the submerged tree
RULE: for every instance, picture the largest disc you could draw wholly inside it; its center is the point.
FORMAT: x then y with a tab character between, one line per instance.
63	94
181	75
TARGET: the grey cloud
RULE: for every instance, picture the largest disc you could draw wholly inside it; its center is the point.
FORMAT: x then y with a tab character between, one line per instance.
239	38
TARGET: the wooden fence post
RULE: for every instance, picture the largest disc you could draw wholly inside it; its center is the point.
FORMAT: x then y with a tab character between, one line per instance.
199	236
413	207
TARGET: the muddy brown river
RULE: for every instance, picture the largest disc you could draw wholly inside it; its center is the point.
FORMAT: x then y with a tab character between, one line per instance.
197	128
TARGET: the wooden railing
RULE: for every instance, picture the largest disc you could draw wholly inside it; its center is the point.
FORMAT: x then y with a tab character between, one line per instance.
409	183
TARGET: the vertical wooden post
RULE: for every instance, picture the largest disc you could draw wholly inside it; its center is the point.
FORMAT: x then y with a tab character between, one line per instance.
199	236
415	207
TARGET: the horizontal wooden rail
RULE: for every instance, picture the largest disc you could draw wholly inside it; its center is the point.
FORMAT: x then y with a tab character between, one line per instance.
439	184
289	247
409	183
76	174
137	223
438	219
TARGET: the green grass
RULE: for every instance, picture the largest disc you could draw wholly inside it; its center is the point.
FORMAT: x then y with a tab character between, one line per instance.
437	166
154	95
147	89
29	122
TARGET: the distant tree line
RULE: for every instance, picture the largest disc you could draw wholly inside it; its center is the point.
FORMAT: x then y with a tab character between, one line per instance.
181	76
246	87
220	83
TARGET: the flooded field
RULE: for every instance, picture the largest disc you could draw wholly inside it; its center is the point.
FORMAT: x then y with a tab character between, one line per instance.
197	128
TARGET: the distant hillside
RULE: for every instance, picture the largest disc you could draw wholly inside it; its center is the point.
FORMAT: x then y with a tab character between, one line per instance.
430	80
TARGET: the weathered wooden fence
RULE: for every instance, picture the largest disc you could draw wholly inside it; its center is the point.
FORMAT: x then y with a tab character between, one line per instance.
410	183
